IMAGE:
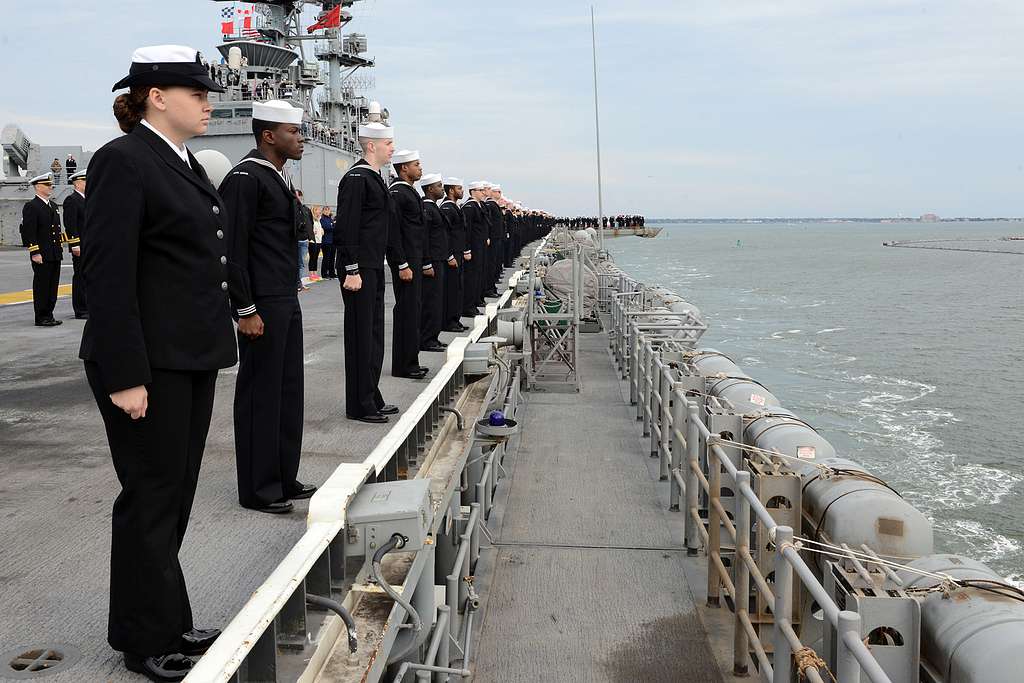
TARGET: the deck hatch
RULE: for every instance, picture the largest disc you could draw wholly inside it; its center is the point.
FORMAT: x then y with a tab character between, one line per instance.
30	662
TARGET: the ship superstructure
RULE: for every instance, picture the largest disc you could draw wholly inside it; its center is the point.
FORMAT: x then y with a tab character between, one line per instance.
323	71
317	71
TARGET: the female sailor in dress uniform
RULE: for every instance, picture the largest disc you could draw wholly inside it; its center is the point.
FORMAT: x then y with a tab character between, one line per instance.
159	329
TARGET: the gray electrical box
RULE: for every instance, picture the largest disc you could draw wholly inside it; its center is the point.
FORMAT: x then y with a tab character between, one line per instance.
380	510
474	360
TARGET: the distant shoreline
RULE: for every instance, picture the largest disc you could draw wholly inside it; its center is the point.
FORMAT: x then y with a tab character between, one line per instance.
895	221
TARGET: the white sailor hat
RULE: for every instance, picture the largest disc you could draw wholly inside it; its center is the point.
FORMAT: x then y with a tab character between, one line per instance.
477	185
430	179
496	187
376	131
42	178
454	182
404	156
165	65
75	176
276	111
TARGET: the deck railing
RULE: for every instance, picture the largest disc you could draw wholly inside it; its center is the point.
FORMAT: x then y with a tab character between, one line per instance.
275	617
695	466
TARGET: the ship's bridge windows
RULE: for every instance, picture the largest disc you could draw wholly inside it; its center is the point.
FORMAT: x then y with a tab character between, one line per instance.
225	113
243	112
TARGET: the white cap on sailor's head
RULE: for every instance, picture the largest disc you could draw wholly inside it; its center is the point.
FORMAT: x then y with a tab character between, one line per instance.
404	156
276	111
477	185
376	131
454	182
77	176
496	187
430	179
168	65
42	178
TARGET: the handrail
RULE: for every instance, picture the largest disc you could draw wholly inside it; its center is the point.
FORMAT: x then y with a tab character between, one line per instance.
326	518
677	432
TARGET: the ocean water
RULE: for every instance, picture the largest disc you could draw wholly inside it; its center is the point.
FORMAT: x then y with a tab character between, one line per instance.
910	361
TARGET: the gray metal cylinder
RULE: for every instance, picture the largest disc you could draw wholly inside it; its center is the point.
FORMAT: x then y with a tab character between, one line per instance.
847	508
711	362
782	430
736	386
970	635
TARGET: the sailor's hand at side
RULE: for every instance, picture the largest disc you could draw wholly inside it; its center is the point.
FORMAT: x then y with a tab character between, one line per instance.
405	275
76	251
37	258
452	263
488	241
251	326
428	272
134	401
353	283
468	257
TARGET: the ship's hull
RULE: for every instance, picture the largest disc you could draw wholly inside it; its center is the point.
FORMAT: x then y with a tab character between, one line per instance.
630	232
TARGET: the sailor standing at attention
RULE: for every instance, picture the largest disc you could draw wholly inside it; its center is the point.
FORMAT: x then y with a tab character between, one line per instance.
457	244
263	223
497	234
440	259
40	229
476	234
407	245
74	218
361	237
159	329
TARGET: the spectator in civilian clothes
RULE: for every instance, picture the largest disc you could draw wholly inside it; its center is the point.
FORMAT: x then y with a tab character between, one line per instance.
315	239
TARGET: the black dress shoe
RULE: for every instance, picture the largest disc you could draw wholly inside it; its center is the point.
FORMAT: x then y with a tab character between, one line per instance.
82	316
374	418
302	492
414	374
455	328
198	640
49	323
281	507
434	348
388	409
172	667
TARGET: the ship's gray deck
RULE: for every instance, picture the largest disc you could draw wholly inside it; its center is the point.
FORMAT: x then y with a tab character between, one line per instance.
589	580
58	483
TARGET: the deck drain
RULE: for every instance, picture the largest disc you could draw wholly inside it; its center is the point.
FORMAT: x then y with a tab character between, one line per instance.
26	663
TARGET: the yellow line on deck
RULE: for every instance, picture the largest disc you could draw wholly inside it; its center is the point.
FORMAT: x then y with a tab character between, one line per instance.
24	296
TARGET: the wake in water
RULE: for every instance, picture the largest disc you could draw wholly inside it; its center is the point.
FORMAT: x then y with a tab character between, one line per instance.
938	483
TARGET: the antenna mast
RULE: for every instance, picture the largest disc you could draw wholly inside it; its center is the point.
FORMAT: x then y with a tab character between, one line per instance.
597	130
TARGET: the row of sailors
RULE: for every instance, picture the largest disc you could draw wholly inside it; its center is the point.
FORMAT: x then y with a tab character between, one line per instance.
169	260
446	252
619	221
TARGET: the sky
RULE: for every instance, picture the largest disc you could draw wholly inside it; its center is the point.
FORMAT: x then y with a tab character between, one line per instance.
709	108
